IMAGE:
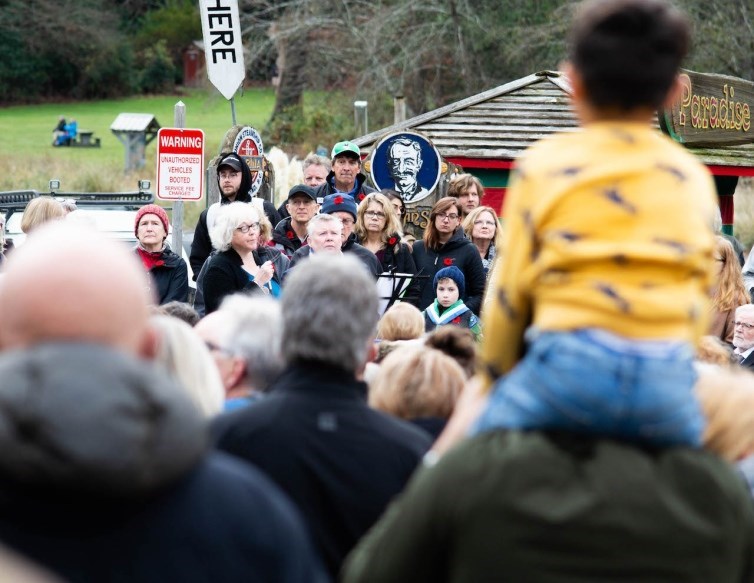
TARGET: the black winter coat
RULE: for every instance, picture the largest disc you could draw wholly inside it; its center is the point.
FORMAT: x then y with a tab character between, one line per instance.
169	280
398	258
339	460
460	252
224	276
285	238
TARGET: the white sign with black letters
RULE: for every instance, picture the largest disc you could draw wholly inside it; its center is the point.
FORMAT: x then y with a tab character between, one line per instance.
223	49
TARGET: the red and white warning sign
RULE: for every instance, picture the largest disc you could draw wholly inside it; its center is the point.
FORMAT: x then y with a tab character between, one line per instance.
180	164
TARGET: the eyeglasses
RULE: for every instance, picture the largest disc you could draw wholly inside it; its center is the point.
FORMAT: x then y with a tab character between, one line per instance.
743	325
484	223
246	228
447	217
375	214
226	175
347	222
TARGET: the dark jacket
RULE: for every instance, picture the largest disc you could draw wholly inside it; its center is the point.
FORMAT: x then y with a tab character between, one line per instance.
279	261
201	245
368	258
105	478
169	280
398	258
339	460
285	239
358	193
527	507
460	252
224	276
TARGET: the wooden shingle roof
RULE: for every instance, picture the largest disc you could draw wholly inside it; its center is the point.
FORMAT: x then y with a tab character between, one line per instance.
500	123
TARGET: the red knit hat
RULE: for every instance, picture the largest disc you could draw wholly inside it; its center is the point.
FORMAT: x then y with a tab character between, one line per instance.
152	209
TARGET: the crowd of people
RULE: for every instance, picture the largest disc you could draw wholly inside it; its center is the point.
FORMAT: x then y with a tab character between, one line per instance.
567	398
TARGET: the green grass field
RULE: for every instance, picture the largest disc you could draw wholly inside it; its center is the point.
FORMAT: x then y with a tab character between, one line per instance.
28	160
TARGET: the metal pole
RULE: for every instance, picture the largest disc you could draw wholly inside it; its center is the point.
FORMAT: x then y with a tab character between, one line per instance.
179	121
233	109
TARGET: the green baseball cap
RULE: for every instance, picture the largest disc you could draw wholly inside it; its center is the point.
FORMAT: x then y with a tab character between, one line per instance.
348	148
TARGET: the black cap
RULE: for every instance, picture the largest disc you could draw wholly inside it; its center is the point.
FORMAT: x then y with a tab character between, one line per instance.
231	160
302	189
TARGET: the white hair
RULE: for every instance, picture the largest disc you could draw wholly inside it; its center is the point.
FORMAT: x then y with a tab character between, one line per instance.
229	217
322	218
188	360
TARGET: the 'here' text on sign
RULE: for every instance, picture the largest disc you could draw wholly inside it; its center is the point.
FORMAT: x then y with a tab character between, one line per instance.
223	48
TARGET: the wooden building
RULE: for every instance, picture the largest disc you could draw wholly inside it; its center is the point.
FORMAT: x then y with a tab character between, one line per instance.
485	133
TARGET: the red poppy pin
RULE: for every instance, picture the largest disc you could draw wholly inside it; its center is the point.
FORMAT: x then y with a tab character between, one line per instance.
338	200
160	263
289	234
456	320
362	196
392	240
448	261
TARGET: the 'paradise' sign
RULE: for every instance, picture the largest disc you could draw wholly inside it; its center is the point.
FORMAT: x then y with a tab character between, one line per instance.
714	110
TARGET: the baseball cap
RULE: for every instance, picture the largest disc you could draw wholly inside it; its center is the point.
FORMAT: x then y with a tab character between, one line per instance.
345	148
302	189
230	160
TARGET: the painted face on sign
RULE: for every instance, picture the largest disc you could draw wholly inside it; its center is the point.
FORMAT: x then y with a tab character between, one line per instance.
404	162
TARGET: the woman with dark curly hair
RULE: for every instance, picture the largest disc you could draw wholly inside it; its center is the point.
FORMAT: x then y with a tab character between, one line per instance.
378	229
444	245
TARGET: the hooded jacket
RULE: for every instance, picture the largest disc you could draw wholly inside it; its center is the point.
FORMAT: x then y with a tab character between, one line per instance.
104	477
460	252
201	246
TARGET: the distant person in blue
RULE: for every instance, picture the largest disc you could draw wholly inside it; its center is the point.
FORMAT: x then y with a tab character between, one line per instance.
59	134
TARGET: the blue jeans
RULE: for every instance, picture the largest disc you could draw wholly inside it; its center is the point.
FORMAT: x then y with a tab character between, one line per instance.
592	382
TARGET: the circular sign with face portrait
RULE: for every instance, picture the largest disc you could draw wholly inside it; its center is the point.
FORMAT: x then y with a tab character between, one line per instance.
408	163
248	145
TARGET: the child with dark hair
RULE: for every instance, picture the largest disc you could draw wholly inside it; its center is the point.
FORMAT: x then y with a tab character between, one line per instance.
608	249
448	307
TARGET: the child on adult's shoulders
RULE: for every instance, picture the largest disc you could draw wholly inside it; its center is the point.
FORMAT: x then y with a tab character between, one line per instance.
448	307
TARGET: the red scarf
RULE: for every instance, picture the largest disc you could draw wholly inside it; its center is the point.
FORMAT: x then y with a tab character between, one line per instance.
150	260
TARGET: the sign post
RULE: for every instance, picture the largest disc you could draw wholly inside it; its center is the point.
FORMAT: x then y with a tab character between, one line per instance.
221	30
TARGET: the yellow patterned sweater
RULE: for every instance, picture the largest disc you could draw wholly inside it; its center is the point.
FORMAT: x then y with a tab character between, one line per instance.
609	227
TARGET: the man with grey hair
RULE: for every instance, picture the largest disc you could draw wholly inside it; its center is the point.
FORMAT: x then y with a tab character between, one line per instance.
743	335
339	461
244	338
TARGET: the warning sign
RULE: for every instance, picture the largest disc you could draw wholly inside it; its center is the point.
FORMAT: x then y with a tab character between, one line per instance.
180	164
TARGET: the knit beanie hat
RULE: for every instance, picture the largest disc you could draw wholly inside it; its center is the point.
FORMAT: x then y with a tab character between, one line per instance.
453	273
336	203
152	209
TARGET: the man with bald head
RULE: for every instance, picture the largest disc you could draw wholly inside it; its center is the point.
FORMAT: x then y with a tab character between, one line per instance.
67	284
105	473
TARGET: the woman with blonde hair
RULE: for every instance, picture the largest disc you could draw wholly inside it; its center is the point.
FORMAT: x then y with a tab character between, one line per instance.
727	400
728	292
402	321
189	361
483	229
39	211
420	385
